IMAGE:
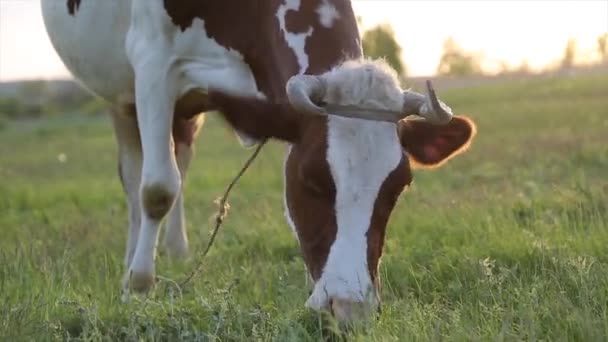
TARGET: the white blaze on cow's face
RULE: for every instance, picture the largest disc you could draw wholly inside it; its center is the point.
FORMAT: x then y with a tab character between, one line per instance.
361	155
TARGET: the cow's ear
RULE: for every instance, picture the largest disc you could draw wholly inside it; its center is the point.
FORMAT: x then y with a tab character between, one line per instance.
258	118
430	146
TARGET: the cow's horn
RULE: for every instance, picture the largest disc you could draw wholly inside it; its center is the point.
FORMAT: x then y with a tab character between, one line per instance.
428	107
304	90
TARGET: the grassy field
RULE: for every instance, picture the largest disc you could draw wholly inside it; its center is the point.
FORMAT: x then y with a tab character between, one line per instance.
518	251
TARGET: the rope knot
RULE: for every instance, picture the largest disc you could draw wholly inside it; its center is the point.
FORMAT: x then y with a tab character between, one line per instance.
223	208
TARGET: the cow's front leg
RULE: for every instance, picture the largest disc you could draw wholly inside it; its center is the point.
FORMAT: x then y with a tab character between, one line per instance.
160	180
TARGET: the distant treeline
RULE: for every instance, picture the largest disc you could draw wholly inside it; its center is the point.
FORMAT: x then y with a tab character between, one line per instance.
32	99
380	42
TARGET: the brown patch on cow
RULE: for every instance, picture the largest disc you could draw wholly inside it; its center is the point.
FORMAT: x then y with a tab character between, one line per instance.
310	196
388	195
431	146
73	6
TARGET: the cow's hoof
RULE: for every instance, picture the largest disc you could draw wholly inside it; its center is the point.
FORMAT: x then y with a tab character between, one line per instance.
138	282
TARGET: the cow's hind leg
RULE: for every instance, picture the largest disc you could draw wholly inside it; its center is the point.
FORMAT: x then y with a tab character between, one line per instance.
184	132
129	169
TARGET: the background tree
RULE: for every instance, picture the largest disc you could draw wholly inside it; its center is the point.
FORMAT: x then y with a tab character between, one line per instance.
569	54
602	46
524	67
380	42
457	62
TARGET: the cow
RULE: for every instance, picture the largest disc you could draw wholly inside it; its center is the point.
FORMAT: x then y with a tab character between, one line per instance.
288	70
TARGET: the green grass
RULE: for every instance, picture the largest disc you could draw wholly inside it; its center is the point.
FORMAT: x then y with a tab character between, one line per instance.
516	251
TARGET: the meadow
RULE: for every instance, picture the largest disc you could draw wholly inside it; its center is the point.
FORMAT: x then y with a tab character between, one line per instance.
516	250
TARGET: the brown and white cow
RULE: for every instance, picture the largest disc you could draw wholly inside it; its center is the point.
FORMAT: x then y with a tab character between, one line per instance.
285	69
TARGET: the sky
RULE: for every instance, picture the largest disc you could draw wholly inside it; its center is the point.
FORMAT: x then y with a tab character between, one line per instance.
508	31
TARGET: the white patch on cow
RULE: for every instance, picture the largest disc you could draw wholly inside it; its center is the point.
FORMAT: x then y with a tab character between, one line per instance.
91	44
327	14
296	41
361	154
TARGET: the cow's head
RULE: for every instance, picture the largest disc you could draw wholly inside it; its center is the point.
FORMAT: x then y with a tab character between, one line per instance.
349	160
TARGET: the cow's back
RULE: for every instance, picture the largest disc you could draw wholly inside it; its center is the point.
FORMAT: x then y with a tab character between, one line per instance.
250	48
89	37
